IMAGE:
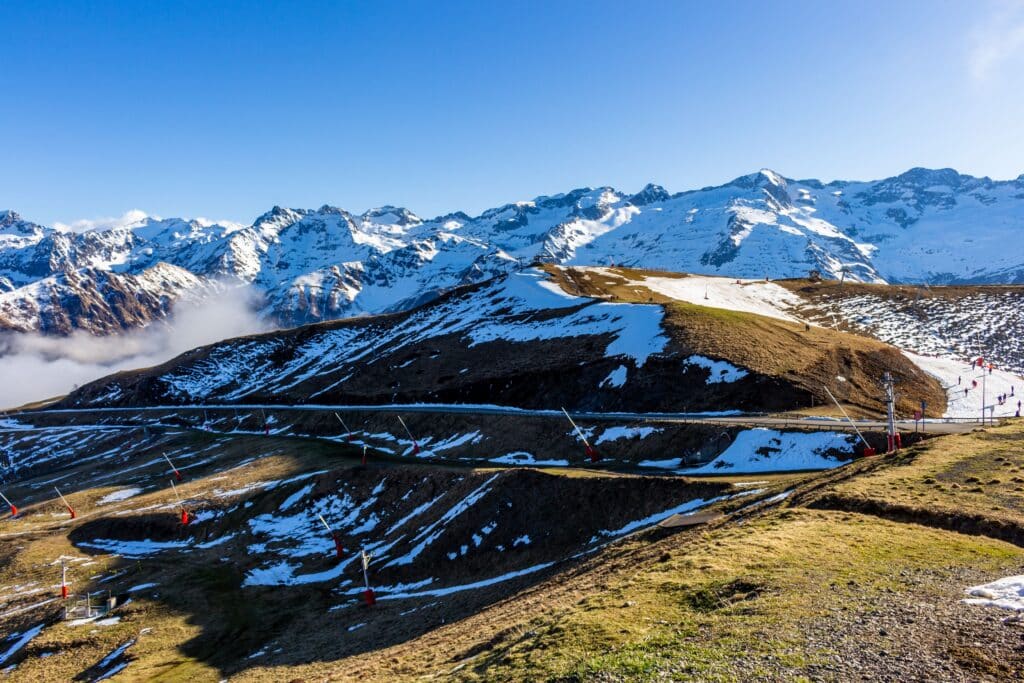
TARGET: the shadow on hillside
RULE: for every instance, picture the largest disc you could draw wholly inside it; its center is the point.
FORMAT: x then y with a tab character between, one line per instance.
325	621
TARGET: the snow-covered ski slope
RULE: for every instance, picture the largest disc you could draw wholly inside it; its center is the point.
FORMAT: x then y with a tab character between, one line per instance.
944	322
938	340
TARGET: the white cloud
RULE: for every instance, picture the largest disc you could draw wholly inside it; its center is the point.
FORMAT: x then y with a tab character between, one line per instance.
130	218
997	40
34	367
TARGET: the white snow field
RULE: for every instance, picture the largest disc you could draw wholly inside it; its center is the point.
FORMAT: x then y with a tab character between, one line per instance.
965	399
779	452
1006	593
748	296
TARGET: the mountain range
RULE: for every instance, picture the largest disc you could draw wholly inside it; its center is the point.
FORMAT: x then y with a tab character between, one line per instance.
934	226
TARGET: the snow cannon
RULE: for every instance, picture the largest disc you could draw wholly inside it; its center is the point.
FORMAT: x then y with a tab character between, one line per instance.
14	508
868	451
339	549
369	597
66	503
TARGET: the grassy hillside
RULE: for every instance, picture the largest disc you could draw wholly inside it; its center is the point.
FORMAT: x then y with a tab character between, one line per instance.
806	357
858	571
810	590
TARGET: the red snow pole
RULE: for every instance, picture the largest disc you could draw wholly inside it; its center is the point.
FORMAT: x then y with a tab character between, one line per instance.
339	549
348	432
185	519
66	504
364	454
369	597
63	580
591	453
14	508
177	474
415	444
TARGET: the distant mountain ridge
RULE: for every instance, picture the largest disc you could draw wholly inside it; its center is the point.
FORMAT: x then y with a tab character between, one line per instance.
936	226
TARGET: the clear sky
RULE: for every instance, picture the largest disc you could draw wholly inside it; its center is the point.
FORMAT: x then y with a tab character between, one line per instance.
223	109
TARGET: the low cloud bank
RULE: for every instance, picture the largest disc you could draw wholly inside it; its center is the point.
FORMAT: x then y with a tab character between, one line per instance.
34	367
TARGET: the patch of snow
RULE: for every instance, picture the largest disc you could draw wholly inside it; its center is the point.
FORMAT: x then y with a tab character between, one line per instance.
142	587
20	641
616	433
781	452
524	458
718	370
616	378
1006	593
122	494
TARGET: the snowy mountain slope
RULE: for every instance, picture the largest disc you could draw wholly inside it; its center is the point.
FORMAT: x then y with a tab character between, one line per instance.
310	265
956	323
523	340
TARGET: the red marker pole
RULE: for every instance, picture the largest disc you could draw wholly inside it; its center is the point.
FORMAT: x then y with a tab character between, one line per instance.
63	580
369	597
415	444
184	513
177	474
364	454
348	432
14	508
591	453
66	504
339	549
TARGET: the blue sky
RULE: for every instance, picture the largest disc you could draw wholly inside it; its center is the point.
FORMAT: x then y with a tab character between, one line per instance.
224	109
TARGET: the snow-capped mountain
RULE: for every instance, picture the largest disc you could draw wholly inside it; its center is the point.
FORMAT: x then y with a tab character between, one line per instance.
937	226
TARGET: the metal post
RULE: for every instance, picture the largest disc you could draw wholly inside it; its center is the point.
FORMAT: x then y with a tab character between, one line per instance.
984	383
890	408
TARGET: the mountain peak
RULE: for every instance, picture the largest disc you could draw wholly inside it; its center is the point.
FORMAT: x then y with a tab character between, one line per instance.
391	215
650	194
8	217
765	178
931	176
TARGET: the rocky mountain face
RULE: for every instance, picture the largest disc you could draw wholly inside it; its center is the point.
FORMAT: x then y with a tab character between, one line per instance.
937	226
